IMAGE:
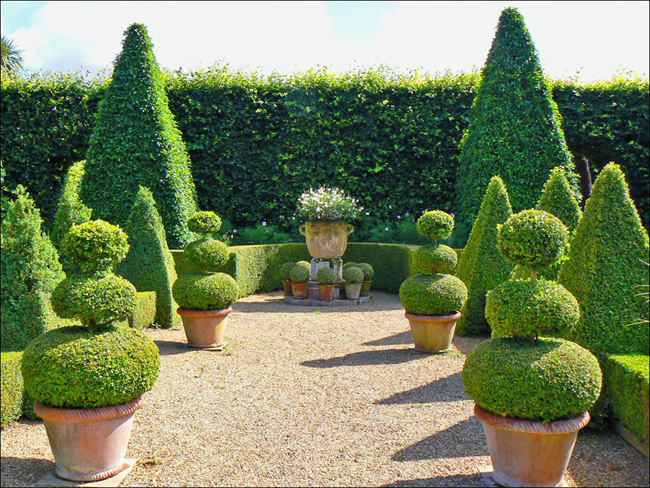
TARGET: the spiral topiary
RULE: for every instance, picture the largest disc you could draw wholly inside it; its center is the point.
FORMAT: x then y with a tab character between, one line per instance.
352	275
326	276
436	225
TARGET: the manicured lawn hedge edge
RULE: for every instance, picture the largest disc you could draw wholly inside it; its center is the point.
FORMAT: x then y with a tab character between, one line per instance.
625	382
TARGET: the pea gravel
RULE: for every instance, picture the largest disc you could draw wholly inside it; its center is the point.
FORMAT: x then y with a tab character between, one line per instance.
312	396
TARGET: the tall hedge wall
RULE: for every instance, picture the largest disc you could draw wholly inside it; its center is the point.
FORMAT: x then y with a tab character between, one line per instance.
256	143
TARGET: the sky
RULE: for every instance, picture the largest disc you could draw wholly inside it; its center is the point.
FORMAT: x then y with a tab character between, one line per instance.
584	41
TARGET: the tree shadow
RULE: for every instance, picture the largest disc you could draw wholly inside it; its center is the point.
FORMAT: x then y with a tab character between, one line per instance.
400	338
24	471
367	358
449	443
451	480
447	389
171	348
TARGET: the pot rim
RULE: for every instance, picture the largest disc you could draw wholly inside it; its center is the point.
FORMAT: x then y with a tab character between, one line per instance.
60	414
203	313
533	426
432	318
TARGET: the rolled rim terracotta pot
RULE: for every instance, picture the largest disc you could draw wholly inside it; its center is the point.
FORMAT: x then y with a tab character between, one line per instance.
326	292
326	238
432	333
527	452
300	290
352	290
204	329
89	444
365	288
288	291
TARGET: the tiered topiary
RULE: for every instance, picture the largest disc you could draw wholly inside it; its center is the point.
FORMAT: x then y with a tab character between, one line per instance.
70	210
433	300
30	271
149	265
481	266
135	142
98	365
514	127
205	298
535	390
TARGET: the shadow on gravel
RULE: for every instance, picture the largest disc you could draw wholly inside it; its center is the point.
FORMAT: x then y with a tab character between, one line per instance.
452	480
24	471
402	338
447	389
171	348
367	358
453	442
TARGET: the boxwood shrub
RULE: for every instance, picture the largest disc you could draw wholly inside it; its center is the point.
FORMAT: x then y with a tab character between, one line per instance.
11	400
144	314
212	291
433	294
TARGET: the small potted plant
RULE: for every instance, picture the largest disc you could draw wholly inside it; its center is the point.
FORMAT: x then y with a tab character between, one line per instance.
205	298
433	300
353	278
300	275
326	278
532	393
285	276
368	273
87	381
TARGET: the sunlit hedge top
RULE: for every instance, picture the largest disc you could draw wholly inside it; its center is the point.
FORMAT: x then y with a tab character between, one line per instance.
327	204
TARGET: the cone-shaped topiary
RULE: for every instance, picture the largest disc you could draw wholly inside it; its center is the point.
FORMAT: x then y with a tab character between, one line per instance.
30	271
135	142
70	210
514	126
606	269
149	265
481	266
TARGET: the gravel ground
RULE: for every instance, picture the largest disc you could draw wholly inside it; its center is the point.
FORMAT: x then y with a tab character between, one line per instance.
308	396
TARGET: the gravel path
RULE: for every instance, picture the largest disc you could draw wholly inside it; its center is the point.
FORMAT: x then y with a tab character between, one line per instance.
312	397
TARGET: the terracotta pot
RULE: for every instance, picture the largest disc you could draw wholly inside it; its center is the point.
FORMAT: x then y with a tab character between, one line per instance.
352	290
300	290
365	288
326	238
288	292
339	290
89	444
204	329
326	292
529	453
432	333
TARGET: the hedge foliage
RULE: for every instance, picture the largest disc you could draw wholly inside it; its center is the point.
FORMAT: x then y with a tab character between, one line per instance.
144	314
70	210
257	142
136	142
11	400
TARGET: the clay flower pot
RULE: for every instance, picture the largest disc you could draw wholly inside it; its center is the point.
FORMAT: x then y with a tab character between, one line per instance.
529	453
352	290
365	288
326	292
432	333
300	290
288	291
89	444
204	329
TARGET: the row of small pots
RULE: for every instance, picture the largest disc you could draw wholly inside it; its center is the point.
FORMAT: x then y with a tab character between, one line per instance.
327	293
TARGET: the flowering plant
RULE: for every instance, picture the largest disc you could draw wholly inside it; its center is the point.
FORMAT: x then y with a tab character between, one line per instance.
327	204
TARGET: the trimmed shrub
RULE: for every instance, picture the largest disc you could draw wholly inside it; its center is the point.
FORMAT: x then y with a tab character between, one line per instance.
349	264
436	225
368	271
606	266
435	258
433	294
208	254
514	126
391	263
285	271
30	270
549	379
11	400
95	247
82	368
204	222
352	275
214	291
300	274
481	266
149	265
144	313
69	209
326	276
136	142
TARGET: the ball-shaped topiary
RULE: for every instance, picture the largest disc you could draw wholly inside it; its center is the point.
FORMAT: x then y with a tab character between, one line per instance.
435	258
95	246
326	276
207	253
368	271
533	238
300	274
349	265
215	291
544	380
304	264
285	270
436	225
527	308
204	222
433	294
94	301
76	367
352	275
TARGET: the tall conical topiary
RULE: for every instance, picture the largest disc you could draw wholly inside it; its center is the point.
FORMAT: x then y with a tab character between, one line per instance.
149	265
137	142
30	271
481	266
607	268
557	199
514	127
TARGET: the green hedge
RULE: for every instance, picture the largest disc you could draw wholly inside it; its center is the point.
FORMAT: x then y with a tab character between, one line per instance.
145	310
625	381
12	388
256	143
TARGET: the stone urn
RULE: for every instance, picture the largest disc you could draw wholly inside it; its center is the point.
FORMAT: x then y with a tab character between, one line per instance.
326	238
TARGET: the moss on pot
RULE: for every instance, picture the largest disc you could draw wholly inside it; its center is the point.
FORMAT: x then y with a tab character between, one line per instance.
435	258
77	367
544	380
205	291
432	294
